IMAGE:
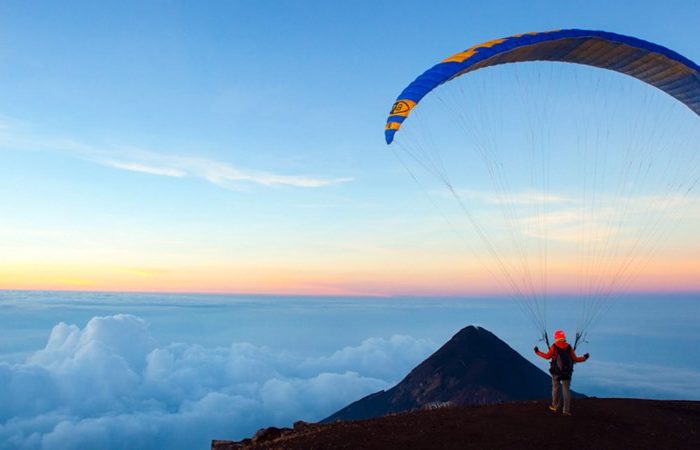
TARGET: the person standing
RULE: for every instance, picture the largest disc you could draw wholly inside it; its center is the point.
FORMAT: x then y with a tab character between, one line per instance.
563	357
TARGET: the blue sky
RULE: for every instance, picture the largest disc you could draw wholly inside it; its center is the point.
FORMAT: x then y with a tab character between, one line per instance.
242	136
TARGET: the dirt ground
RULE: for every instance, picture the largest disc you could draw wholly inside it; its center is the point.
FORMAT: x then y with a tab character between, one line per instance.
595	424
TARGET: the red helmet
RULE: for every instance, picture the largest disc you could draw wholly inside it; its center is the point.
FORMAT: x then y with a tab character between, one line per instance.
559	335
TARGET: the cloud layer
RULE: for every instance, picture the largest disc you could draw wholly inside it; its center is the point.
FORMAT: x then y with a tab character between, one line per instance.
630	379
111	385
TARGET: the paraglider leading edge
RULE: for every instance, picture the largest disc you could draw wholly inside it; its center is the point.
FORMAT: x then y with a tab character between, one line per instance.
651	63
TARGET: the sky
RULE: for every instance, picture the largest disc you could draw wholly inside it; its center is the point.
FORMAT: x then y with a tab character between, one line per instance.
238	147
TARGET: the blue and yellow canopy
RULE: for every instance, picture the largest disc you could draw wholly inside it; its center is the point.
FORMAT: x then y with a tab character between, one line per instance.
648	62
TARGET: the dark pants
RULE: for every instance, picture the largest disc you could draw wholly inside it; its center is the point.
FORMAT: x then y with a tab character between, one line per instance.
561	385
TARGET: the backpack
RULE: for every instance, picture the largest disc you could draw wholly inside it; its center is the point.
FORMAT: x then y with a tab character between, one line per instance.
562	364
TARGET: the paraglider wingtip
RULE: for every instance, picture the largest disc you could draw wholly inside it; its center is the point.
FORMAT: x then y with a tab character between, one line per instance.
389	136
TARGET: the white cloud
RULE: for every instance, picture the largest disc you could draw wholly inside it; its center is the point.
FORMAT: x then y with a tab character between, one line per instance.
219	173
377	357
17	136
653	381
138	167
529	197
111	385
572	225
568	218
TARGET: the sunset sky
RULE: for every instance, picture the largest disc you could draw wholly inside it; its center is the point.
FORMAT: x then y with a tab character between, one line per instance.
238	146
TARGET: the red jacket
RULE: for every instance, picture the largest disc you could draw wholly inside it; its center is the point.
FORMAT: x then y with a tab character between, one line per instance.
562	345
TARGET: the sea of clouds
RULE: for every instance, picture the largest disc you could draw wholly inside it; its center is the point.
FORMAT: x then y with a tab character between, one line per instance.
111	385
120	381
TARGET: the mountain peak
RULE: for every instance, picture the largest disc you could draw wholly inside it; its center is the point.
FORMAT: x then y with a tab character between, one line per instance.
474	367
471	332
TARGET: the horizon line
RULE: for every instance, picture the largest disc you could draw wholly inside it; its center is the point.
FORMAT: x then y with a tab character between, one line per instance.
424	295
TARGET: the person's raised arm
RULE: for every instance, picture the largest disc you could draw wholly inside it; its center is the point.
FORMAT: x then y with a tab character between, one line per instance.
547	355
579	359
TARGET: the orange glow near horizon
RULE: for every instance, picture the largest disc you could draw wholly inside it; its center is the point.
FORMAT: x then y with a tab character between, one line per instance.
415	280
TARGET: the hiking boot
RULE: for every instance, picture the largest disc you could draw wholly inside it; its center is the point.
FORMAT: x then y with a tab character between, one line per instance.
566	413
553	408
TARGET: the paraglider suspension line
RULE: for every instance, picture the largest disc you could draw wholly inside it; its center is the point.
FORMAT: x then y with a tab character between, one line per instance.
579	337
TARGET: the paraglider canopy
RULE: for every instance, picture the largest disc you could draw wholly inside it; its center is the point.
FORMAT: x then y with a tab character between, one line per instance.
648	62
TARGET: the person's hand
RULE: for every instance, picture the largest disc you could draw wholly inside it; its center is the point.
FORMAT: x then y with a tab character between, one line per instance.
586	355
536	349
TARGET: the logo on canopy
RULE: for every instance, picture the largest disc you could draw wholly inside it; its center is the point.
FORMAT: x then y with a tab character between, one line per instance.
402	108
